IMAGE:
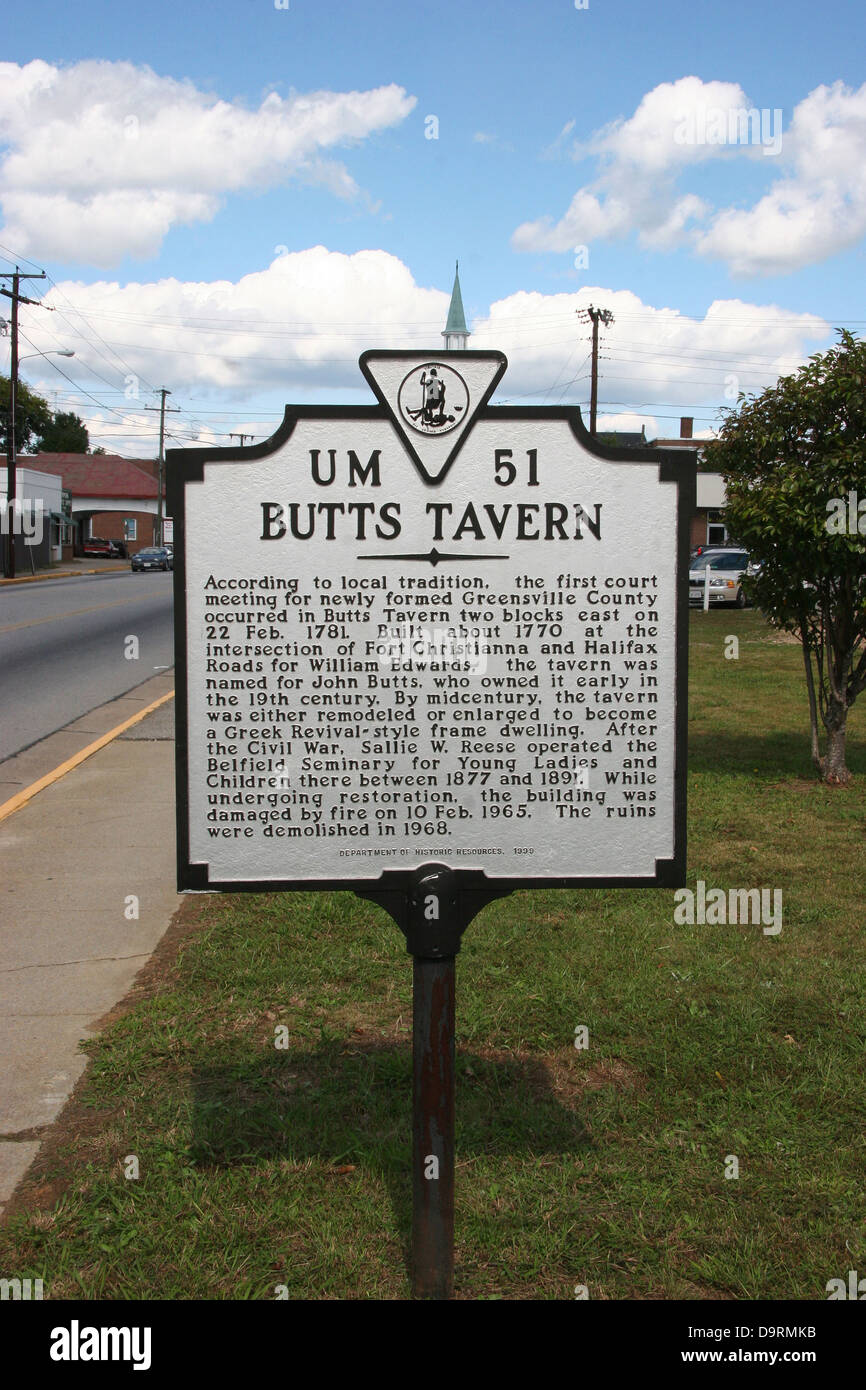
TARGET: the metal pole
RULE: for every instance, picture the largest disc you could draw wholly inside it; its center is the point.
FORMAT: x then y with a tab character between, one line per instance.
17	297
433	1128
161	407
595	316
11	462
433	912
160	484
593	399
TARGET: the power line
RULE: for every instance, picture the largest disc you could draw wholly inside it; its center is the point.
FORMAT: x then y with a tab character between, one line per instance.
14	259
302	328
138	376
80	390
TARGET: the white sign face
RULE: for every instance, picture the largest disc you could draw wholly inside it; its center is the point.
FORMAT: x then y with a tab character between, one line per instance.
431	631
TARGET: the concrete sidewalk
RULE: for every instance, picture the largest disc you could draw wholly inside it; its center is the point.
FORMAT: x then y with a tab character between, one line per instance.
72	858
68	569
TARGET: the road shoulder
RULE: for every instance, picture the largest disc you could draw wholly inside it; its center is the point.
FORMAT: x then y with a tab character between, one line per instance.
28	766
87	894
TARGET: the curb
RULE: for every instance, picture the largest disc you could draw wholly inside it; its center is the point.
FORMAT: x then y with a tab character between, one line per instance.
8	808
57	574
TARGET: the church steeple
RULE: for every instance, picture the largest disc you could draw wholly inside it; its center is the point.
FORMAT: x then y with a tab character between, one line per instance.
456	334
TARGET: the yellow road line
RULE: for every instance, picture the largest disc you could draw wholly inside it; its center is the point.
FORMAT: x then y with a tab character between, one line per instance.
77	612
20	799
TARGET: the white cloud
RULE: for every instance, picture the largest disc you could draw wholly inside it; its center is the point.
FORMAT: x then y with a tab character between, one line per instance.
298	325
487	137
101	228
294	331
555	149
103	158
628	421
639	160
819	208
648	354
815	207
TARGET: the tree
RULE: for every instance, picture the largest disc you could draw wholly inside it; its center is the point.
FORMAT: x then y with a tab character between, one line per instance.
794	464
32	416
65	434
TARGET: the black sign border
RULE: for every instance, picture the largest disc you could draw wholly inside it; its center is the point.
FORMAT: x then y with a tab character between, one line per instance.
401	429
393	887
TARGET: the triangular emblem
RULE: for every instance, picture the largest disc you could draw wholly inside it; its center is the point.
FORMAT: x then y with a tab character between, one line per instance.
432	399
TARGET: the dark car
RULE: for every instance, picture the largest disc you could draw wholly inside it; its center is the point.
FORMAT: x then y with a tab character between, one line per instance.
153	557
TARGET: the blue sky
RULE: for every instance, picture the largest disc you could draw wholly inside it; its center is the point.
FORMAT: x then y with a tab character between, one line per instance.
174	169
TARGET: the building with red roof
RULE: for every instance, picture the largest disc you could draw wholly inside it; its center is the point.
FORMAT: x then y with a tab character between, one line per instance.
111	497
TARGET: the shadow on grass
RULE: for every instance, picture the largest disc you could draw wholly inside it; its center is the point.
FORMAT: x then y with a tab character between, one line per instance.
774	754
351	1102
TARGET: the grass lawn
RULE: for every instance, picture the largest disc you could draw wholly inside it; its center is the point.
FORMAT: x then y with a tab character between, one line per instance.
606	1167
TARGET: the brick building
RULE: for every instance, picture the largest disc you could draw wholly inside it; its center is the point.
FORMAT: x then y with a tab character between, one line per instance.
708	526
112	497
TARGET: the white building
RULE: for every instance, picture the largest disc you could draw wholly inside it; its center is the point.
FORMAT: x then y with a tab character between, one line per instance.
38	523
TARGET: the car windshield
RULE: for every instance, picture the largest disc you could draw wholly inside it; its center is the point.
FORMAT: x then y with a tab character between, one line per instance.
722	560
148	554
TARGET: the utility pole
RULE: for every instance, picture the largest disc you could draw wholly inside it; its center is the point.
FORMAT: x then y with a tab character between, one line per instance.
175	409
16	277
241	437
606	317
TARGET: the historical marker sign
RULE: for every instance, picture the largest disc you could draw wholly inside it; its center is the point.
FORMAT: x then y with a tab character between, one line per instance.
430	630
430	650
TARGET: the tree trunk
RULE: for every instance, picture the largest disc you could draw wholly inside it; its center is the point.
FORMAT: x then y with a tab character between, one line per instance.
833	768
813	704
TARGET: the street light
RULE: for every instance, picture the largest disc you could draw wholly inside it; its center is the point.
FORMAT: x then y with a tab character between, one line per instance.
58	352
11	480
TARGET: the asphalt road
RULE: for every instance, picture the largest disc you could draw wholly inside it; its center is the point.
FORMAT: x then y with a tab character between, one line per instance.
63	645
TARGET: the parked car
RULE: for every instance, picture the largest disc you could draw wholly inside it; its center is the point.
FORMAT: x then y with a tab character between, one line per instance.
153	557
97	546
727	568
702	549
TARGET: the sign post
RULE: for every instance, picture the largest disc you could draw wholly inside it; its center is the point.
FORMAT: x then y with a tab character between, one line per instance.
432	1096
431	651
